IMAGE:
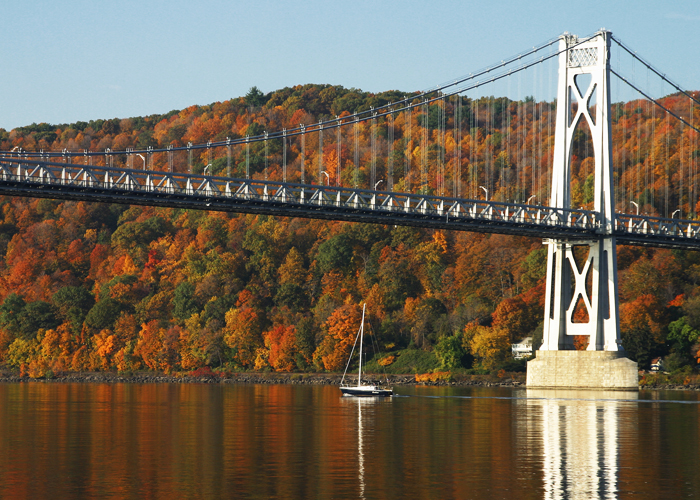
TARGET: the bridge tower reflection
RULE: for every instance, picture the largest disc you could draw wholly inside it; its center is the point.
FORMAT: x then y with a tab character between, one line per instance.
580	438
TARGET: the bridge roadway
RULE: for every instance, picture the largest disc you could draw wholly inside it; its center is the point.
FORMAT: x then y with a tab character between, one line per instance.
44	179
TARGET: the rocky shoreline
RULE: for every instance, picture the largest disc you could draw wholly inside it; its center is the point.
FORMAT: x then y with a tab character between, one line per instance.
510	380
259	378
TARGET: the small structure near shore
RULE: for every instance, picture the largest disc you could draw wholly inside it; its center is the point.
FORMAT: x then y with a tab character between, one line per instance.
523	349
657	365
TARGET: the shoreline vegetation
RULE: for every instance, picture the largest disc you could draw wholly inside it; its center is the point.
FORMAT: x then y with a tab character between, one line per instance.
655	381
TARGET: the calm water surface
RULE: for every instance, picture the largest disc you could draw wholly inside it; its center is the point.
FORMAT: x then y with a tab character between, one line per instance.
283	441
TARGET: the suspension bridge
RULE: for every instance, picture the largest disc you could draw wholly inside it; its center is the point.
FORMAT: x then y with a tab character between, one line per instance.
479	174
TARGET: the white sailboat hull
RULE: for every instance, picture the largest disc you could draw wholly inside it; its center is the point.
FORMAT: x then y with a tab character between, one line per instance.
366	390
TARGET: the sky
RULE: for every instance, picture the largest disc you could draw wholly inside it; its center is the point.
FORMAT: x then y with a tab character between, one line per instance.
67	61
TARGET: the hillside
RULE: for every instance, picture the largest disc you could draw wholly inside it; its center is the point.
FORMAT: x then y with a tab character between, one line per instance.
110	287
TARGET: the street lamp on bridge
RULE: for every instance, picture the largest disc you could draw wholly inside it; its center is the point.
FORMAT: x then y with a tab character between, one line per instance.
377	183
143	158
636	206
485	191
531	197
328	178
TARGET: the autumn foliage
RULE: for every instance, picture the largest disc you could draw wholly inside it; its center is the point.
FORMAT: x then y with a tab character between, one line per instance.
111	287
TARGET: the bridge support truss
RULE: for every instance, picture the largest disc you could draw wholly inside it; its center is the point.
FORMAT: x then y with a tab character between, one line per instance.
581	296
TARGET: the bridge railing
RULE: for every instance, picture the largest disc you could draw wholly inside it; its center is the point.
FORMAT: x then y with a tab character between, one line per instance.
650	230
62	180
212	188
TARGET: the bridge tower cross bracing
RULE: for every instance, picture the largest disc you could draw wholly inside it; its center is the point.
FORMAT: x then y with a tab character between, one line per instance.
583	95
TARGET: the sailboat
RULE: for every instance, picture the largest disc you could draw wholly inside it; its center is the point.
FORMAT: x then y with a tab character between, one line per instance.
360	389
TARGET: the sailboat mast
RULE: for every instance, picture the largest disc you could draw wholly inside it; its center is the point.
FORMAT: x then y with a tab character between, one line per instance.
362	334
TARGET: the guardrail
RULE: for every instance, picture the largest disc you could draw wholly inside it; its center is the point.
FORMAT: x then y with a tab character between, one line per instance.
657	231
113	185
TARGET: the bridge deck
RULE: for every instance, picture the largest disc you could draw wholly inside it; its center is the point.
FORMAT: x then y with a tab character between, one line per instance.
138	187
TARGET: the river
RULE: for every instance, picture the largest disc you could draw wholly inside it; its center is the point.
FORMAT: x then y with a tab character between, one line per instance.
61	440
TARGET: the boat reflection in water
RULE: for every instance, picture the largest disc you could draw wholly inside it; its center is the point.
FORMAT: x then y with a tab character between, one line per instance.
580	434
365	431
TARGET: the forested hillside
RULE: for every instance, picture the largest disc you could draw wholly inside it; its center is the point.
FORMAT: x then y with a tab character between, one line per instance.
114	287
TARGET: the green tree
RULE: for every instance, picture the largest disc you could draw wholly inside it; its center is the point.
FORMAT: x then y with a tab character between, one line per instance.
35	316
255	97
73	304
184	304
682	336
10	312
449	352
135	234
335	253
103	314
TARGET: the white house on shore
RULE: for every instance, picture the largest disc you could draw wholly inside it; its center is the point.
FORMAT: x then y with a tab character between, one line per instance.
523	349
657	365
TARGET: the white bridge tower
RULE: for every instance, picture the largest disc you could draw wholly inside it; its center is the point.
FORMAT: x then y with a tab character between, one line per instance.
583	96
581	295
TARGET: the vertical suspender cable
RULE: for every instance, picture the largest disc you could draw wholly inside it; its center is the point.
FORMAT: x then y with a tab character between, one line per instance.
544	196
441	151
538	135
357	150
617	158
667	164
266	155
373	147
284	155
338	138
228	157
626	196
472	193
189	157
505	124
508	124
680	169
455	153
319	179
533	168
647	156
516	154
247	156
496	127
459	145
443	147
638	166
426	151
540	139
651	167
694	153
486	147
642	163
303	153
476	147
390	151
490	150
409	153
